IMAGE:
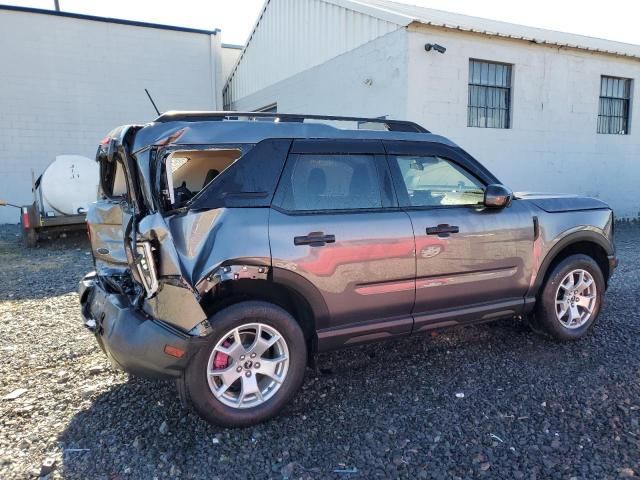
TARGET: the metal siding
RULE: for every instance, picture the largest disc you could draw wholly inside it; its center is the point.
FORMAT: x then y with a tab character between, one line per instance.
295	35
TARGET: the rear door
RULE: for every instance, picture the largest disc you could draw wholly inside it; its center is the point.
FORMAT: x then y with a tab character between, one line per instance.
471	262
335	229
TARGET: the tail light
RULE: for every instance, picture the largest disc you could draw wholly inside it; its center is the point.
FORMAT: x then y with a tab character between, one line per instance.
25	218
146	267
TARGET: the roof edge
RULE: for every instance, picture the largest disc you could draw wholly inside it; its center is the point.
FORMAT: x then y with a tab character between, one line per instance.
501	29
232	46
119	21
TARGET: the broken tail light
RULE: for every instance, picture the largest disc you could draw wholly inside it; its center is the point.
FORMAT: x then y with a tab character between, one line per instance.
145	264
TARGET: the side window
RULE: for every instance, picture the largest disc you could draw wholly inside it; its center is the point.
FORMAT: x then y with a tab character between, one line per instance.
329	182
434	181
190	171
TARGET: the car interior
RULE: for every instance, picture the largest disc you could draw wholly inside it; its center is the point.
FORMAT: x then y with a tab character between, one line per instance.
192	170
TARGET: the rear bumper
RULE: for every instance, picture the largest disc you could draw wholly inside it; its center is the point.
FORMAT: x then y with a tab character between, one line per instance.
132	341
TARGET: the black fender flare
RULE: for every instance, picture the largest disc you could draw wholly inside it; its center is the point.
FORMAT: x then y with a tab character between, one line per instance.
296	282
574	237
278	276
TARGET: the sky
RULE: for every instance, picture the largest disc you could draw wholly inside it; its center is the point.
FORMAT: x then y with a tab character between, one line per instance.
613	19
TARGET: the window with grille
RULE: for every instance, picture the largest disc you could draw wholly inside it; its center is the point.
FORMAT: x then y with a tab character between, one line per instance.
613	116
489	95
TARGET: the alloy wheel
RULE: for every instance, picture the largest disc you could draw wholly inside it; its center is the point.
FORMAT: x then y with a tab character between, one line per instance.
248	365
576	299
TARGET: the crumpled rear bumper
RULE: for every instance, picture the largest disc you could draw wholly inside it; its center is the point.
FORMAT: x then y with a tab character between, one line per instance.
132	340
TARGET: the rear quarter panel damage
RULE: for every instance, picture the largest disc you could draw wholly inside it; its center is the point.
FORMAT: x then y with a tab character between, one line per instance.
191	247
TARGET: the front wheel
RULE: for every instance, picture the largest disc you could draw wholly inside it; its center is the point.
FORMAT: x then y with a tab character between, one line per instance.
571	298
250	368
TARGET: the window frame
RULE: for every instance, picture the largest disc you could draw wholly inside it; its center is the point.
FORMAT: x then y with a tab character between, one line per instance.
508	89
328	147
604	119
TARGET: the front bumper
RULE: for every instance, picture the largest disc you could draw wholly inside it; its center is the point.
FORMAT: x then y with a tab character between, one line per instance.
132	340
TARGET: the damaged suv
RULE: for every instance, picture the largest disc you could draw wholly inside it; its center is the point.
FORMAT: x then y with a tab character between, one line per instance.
230	248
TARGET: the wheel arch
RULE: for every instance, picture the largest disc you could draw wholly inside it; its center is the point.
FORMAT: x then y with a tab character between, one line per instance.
284	288
588	243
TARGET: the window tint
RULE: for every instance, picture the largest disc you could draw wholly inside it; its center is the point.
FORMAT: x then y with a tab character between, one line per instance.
329	182
489	95
434	181
613	115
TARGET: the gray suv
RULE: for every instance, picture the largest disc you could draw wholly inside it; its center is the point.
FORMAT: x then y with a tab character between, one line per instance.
230	248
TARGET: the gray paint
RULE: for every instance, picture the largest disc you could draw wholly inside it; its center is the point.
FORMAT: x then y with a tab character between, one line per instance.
383	276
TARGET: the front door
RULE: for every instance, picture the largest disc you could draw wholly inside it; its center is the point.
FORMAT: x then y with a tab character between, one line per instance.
471	262
336	227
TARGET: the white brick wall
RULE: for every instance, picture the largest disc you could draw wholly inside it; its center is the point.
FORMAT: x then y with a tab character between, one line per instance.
66	82
340	87
552	145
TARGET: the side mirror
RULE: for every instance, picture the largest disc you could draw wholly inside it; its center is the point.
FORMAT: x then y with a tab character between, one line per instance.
497	196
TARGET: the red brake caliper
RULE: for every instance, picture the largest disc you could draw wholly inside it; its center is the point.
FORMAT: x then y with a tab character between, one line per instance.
221	360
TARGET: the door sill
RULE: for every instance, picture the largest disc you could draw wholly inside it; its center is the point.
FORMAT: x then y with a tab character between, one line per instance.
475	313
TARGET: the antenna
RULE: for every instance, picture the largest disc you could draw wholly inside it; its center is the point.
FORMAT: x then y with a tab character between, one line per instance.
152	102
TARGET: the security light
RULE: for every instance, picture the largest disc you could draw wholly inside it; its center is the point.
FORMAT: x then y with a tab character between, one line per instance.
434	46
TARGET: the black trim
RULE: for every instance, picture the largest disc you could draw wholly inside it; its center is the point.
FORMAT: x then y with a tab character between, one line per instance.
580	236
119	21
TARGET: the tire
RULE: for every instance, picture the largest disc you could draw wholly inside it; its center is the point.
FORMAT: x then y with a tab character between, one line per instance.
245	318
554	298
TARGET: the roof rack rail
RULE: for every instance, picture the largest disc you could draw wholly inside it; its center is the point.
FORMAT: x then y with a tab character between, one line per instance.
391	125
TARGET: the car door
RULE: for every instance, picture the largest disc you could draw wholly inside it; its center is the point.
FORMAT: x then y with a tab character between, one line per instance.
336	231
472	262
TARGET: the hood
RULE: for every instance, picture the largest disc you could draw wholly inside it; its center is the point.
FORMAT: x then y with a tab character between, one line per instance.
561	202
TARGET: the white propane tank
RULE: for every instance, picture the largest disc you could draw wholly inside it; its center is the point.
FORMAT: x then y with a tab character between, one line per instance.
69	184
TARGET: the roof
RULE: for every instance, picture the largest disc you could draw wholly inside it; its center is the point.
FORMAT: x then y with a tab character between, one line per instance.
119	21
234	116
405	15
207	128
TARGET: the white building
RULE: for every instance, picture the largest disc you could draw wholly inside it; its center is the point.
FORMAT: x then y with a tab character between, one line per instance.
68	79
562	106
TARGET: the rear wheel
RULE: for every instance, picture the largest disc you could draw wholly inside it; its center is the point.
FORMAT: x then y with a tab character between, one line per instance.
570	300
250	367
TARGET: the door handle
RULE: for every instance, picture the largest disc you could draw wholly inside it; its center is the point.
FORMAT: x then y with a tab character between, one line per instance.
315	239
443	230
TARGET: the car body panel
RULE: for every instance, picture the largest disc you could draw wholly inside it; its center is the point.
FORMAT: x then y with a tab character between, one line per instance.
382	277
488	261
367	274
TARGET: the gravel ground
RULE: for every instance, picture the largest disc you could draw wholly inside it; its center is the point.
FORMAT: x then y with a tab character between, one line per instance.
493	401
